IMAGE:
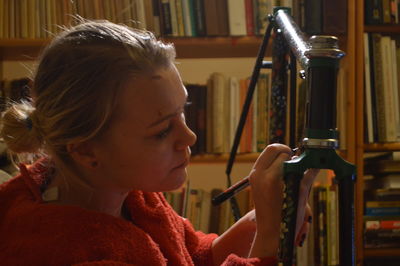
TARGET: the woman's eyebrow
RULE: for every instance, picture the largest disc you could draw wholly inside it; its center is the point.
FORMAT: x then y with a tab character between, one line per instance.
177	111
159	121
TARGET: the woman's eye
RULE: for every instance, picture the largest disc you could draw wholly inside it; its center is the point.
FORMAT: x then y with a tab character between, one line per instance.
164	133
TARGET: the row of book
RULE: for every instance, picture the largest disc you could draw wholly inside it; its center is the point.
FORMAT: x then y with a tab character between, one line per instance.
322	244
382	12
195	205
382	86
183	18
215	110
42	18
382	200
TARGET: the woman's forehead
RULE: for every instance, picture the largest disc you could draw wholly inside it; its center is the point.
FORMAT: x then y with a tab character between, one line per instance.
157	94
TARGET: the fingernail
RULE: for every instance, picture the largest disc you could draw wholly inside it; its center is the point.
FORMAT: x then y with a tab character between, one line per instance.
309	219
303	238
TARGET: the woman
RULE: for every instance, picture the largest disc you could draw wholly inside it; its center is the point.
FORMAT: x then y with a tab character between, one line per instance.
107	117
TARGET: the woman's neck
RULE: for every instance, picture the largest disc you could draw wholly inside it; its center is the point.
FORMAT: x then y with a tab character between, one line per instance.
73	190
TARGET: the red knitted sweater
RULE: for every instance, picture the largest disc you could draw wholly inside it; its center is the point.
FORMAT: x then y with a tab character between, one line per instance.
37	233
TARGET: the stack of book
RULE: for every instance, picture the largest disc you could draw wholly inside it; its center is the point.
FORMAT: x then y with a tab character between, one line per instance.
382	97
382	203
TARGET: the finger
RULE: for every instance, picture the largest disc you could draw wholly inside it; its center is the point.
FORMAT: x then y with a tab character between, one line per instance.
269	154
303	232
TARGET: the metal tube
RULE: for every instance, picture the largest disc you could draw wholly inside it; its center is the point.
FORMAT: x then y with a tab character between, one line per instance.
293	36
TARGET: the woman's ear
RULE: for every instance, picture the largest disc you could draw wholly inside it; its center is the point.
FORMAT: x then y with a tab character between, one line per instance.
83	153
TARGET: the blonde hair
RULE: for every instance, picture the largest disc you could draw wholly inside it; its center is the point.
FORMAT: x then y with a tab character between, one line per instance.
76	85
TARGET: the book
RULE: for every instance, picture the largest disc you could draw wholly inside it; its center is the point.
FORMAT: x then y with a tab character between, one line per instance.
333	23
313	13
219	89
386	11
156	17
179	17
235	107
382	238
214	213
386	194
368	95
211	17
199	16
165	17
249	17
237	17
191	113
223	20
390	181
187	21
332	226
395	89
174	18
195	115
387	90
377	204
373	12
382	211
148	15
264	9
387	222
382	166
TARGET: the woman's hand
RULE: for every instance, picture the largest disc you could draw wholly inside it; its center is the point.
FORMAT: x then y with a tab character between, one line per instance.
267	189
266	179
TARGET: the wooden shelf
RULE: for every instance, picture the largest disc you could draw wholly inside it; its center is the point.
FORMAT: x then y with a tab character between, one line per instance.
382	147
206	47
385	28
382	252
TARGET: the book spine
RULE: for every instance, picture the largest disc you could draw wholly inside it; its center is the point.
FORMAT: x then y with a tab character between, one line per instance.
222	17
332	22
373	12
179	17
386	11
174	19
237	17
199	15
382	211
313	17
211	17
373	204
165	18
187	21
249	17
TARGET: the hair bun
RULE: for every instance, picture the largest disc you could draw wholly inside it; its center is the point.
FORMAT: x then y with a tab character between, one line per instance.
18	129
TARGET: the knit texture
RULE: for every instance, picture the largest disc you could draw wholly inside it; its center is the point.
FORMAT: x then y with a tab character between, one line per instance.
37	233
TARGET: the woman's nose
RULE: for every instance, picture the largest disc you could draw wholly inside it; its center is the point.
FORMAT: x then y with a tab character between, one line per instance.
188	138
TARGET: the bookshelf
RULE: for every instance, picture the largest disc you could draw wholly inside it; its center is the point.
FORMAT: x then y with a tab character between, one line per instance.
360	145
205	47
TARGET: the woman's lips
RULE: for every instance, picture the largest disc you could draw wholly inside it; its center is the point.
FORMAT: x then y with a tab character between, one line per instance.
183	164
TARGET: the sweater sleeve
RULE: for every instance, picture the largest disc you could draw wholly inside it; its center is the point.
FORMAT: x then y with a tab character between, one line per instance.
199	246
